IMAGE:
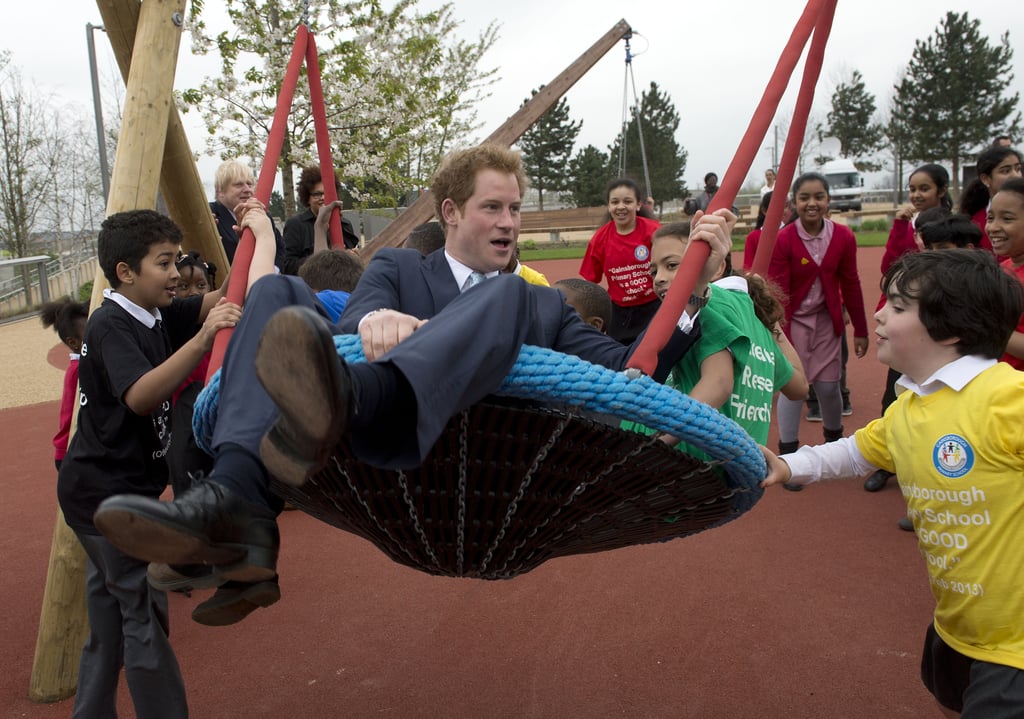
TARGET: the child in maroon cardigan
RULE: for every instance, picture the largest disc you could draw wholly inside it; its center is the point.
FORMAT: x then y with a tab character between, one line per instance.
815	263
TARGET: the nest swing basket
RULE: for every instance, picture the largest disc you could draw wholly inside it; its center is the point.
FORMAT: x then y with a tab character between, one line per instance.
511	484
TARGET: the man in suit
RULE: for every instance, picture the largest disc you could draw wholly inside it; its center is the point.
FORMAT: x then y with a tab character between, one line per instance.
440	333
233	184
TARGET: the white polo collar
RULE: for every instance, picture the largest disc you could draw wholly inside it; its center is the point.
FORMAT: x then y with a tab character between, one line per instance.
149	319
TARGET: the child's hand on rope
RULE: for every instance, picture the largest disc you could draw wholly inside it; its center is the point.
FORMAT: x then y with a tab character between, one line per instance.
253	215
323	216
716	230
223	314
730	219
254	210
778	470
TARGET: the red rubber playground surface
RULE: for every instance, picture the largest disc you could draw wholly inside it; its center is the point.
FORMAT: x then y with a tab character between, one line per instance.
812	605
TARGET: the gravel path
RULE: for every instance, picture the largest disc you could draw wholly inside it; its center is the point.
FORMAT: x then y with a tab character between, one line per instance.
28	376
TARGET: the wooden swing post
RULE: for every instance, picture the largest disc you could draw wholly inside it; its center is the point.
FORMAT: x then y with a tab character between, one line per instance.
63	624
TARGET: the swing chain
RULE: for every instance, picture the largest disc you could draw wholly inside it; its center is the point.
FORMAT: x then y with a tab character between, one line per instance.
304	20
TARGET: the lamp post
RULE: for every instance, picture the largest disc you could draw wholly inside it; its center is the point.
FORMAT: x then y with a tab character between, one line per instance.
774	147
98	109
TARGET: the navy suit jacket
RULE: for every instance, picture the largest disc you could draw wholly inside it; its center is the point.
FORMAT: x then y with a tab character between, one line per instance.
225	227
405	280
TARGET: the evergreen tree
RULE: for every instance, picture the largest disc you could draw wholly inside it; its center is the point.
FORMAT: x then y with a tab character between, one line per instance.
954	98
896	134
588	177
850	122
276	207
666	158
547	147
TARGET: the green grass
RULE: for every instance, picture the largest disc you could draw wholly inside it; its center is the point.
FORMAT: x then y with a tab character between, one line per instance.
553	253
574	251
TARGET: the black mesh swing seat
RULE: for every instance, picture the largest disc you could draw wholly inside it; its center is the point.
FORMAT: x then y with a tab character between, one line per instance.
509	484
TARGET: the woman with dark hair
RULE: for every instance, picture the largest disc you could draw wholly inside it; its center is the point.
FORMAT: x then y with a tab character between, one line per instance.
299	229
620	251
995	166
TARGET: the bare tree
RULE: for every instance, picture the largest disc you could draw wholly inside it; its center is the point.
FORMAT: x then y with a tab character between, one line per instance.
28	166
811	146
76	209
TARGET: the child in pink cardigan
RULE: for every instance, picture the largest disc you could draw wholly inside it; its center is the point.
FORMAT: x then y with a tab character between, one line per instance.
815	263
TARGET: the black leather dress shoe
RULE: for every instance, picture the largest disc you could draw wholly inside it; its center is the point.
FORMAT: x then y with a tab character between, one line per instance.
208	524
234	601
877	481
298	365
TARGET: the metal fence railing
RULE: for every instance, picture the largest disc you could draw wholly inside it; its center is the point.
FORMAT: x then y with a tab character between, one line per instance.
21	288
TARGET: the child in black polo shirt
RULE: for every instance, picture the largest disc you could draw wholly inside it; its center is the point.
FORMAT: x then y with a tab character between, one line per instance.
140	344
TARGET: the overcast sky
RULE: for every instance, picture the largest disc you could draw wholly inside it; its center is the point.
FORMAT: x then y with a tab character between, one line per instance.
713	59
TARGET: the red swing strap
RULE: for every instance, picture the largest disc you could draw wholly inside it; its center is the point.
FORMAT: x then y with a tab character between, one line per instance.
794	138
304	48
816	18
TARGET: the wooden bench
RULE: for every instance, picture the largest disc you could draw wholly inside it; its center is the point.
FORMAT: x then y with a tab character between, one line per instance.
555	222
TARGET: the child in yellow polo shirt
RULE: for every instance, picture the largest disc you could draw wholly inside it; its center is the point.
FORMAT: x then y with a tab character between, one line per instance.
955	440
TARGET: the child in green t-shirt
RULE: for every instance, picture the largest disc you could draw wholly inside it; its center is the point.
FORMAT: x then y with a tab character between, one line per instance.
742	358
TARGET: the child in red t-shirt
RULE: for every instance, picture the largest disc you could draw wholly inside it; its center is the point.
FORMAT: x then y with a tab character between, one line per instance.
620	251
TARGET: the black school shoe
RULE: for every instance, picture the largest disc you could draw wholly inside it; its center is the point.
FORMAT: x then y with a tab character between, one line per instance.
234	601
298	365
877	481
208	524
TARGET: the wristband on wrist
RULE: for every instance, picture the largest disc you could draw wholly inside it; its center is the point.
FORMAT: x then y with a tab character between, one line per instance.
699	301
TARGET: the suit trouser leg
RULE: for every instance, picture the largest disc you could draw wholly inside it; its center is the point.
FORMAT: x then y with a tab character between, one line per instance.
453	361
128	623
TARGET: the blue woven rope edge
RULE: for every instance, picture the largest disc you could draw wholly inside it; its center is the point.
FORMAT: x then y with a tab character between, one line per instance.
545	375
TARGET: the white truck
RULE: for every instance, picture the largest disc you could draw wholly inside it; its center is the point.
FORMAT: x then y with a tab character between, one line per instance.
846	186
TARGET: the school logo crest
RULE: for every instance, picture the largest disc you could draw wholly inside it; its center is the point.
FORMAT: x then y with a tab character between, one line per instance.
642	253
952	456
